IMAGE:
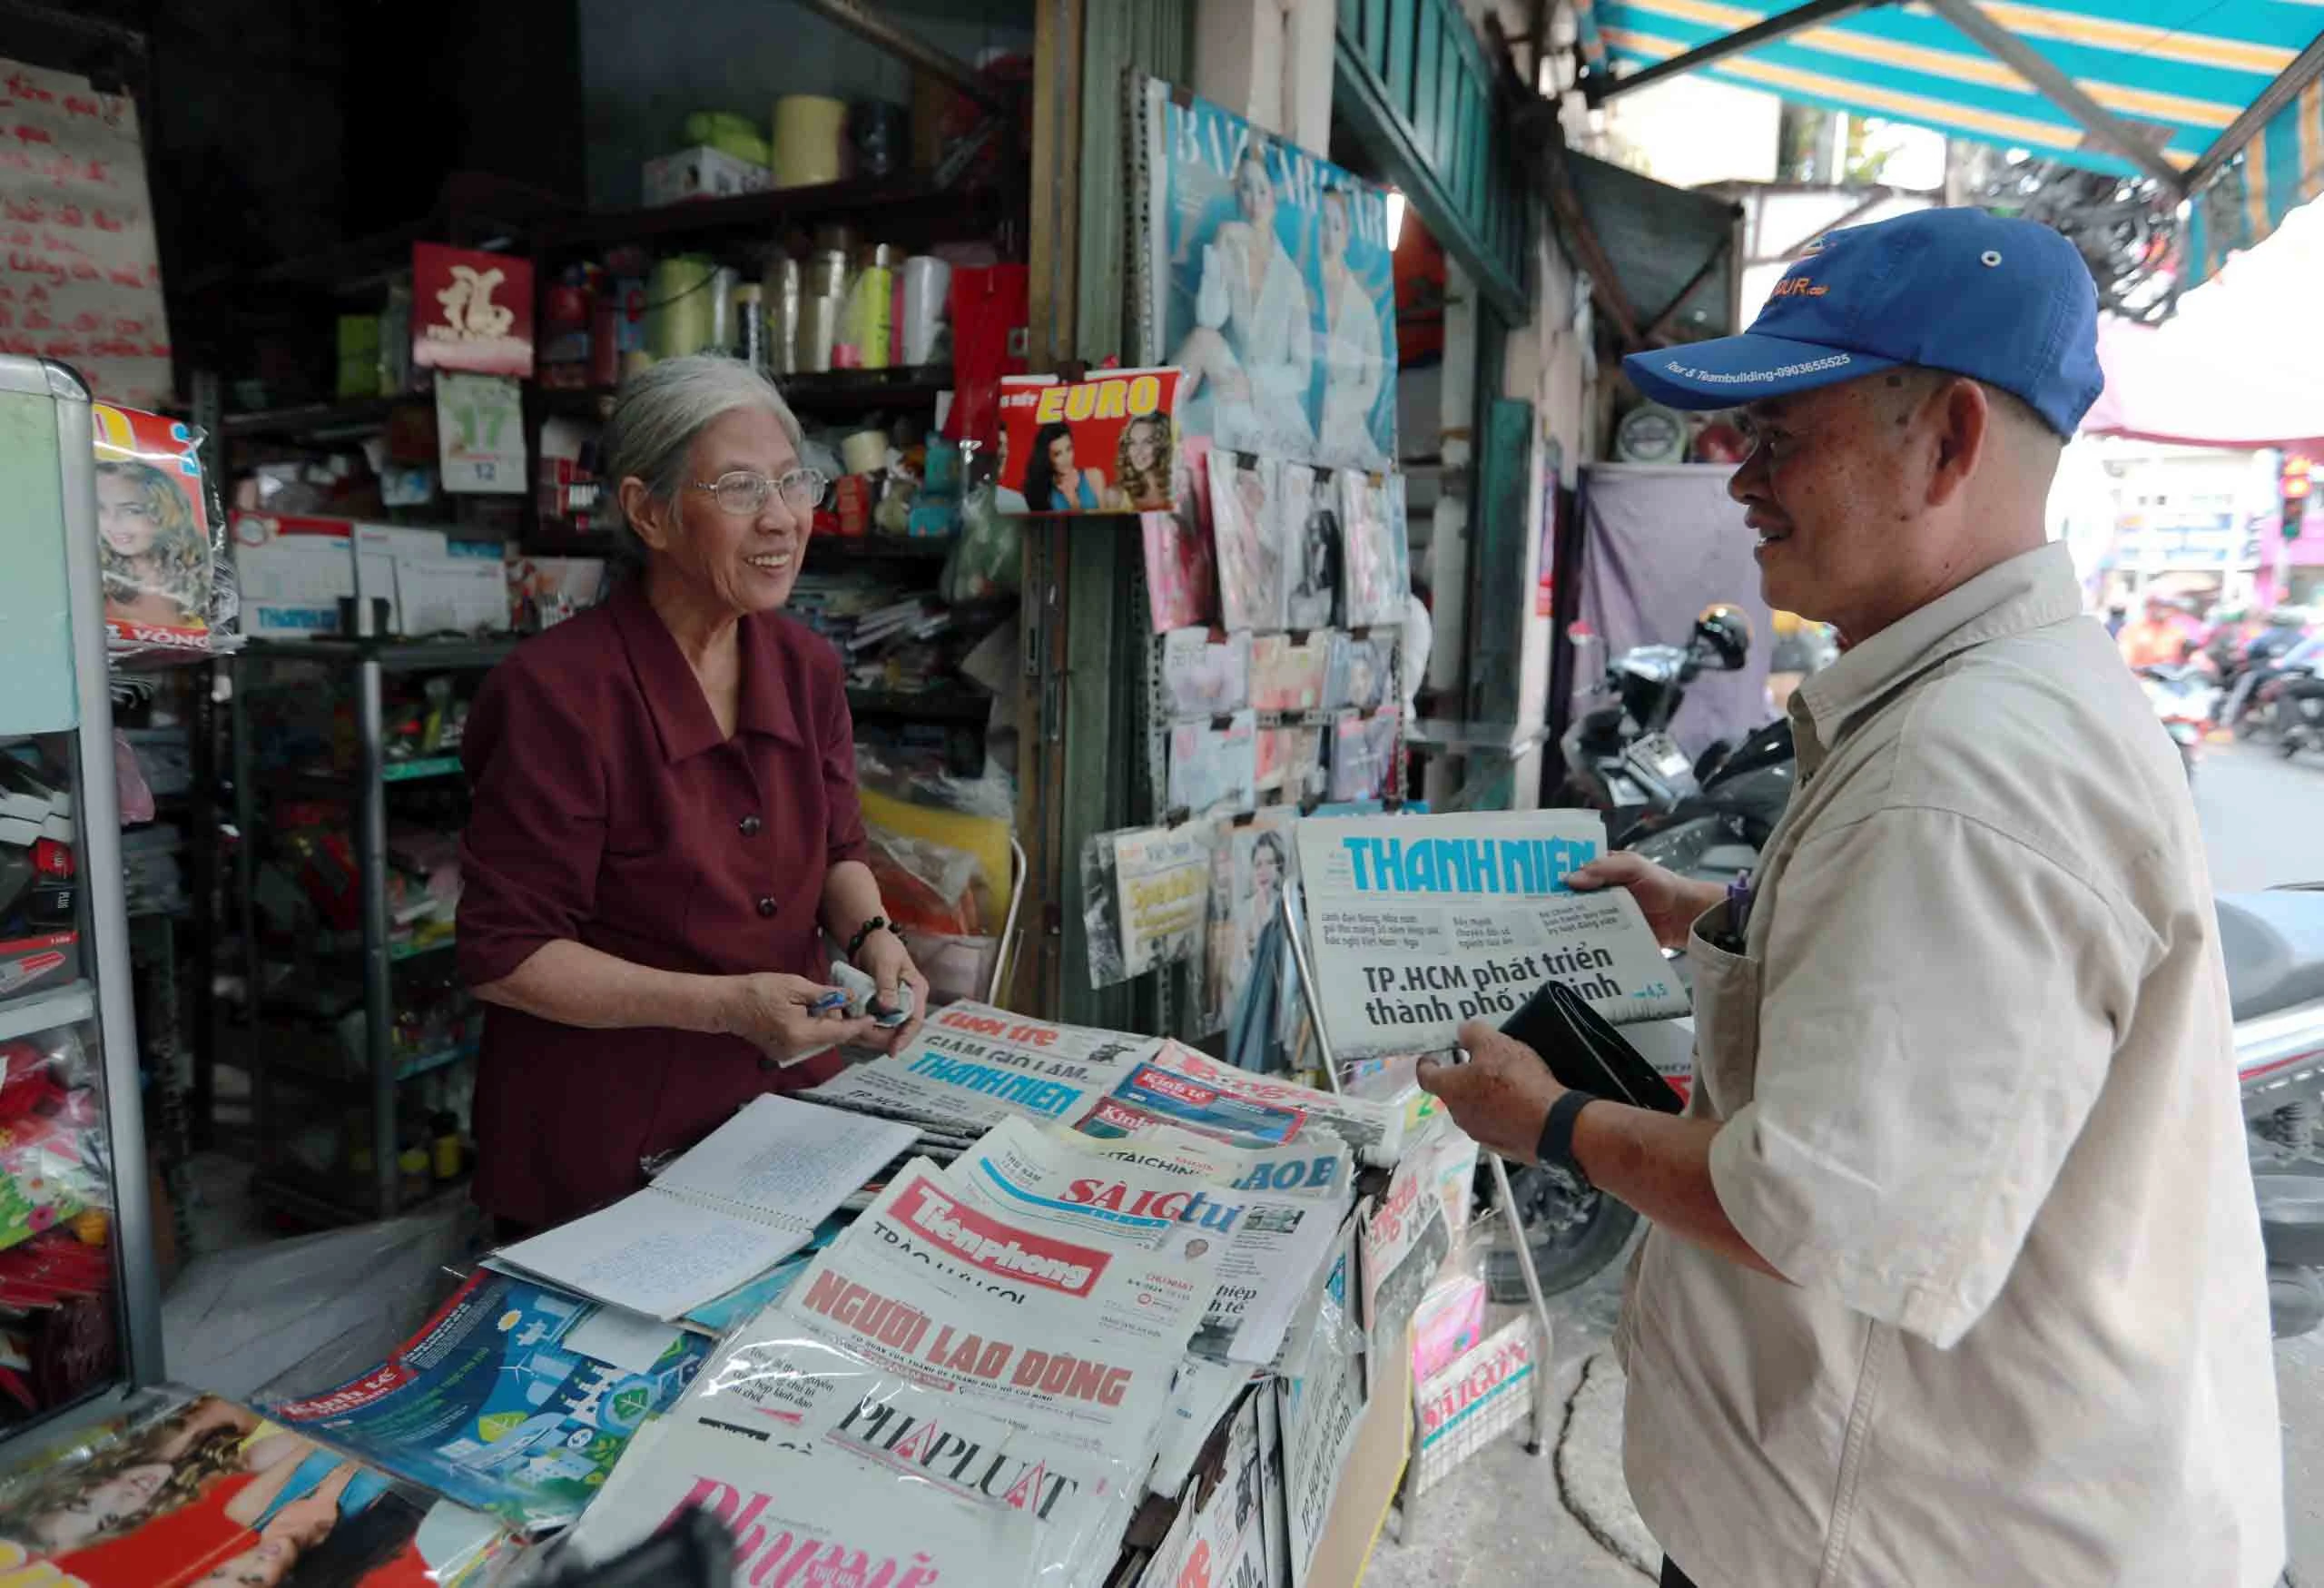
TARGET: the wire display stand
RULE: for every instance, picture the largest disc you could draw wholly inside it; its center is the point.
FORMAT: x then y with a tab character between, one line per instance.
1303	965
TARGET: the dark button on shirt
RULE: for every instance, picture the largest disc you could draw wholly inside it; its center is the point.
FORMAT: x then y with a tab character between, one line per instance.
607	810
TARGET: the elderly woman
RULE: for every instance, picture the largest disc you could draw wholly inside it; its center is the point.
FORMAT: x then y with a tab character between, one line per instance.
665	825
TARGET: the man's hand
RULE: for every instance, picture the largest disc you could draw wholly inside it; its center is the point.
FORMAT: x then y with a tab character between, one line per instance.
1670	903
1500	1096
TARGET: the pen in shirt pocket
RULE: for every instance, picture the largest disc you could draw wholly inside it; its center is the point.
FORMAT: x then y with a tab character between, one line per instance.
1739	897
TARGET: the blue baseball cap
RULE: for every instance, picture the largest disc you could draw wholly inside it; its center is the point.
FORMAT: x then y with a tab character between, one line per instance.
2007	302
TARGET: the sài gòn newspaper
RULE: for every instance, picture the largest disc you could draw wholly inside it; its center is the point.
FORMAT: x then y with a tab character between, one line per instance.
975	1065
1485	1391
1374	1129
926	1224
493	1404
792	1397
1262	1250
1109	1394
1320	1168
728	1210
1419	923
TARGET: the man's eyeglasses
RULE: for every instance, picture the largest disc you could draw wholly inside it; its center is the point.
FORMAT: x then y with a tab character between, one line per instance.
745	494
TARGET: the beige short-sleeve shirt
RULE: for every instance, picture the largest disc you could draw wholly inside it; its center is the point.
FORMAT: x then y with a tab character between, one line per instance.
1977	1081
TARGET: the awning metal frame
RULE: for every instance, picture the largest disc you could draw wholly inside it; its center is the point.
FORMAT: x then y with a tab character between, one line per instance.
1598	87
2059	88
2119	137
2304	68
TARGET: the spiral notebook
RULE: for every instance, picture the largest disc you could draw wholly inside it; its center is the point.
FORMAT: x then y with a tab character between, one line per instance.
748	1196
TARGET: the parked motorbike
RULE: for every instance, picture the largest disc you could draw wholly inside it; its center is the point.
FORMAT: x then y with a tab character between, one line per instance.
2185	696
2273	943
2301	711
1620	759
1716	833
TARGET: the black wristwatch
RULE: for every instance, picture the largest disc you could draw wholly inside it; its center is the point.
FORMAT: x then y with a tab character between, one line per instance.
855	943
1555	1150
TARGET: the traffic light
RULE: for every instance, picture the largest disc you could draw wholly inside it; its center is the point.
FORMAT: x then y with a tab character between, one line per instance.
2294	484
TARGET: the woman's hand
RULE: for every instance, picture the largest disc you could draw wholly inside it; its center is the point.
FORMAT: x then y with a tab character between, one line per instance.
1670	903
777	1012
887	961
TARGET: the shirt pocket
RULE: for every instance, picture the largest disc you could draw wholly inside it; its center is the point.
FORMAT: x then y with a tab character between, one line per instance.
1726	1015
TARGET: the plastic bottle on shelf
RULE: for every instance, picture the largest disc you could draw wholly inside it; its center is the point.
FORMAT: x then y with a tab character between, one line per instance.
750	325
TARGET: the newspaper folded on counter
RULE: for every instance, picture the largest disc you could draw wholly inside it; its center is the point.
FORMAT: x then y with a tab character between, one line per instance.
780	1409
1106	1394
1195	1092
1202	1393
927	1226
1419	923
973	1066
1262	1250
1404	1237
1320	1392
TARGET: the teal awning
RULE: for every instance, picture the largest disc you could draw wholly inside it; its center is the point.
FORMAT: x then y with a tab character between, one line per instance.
2218	96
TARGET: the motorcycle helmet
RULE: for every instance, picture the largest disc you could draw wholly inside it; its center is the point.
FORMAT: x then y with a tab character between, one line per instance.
1722	637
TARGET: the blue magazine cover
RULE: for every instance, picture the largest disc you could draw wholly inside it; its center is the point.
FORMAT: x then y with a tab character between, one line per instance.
491	1405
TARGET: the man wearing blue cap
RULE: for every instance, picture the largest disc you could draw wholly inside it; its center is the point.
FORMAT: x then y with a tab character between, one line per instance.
1953	1273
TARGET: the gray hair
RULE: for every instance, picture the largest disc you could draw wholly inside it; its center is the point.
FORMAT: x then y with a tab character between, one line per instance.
660	411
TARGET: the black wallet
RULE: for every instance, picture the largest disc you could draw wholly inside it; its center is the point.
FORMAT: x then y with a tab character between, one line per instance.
1585	1053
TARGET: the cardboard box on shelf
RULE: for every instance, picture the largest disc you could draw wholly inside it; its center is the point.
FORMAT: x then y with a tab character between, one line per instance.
39	963
292	572
702	172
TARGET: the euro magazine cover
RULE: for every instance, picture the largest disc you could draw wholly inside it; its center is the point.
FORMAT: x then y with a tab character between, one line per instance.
1105	445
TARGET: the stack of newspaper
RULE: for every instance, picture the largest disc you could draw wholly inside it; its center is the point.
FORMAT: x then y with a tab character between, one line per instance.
973	1066
986	1373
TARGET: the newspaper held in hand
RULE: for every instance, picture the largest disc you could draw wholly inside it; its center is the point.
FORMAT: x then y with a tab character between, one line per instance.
973	1066
1419	923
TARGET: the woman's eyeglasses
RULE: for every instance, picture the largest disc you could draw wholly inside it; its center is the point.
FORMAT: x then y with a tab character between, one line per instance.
745	494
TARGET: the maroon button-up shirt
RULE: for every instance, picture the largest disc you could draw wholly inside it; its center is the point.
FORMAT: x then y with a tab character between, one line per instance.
608	810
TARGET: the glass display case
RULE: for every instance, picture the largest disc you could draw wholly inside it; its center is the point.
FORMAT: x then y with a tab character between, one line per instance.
80	1305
